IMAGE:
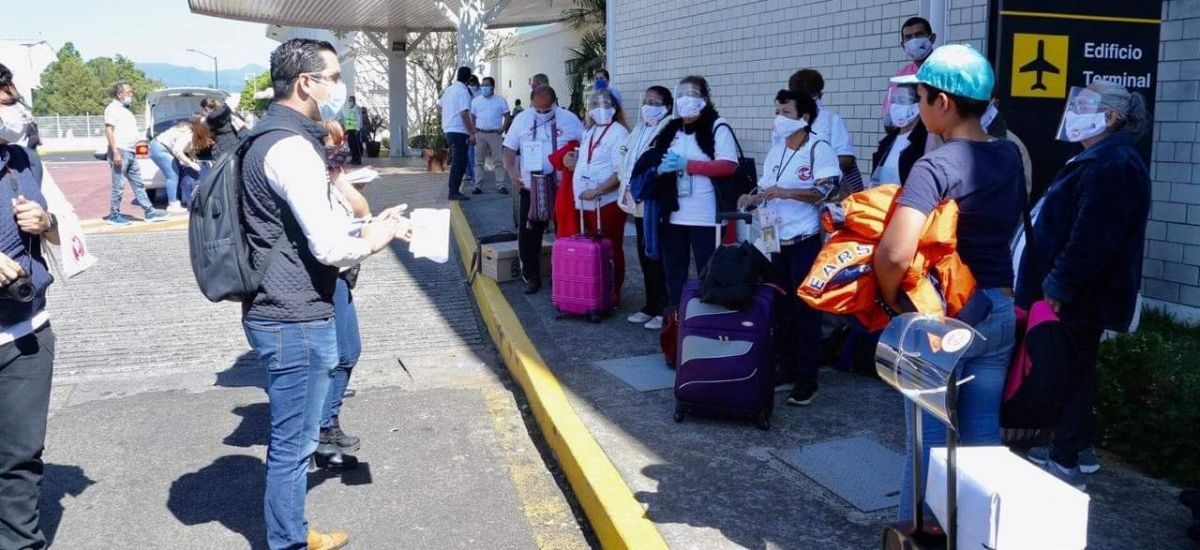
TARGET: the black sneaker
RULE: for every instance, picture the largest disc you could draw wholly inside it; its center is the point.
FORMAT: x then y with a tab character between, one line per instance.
802	395
459	197
502	190
348	443
477	191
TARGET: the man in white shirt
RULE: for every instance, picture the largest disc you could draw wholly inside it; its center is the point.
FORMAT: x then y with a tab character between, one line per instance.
490	113
829	126
121	131
459	129
298	241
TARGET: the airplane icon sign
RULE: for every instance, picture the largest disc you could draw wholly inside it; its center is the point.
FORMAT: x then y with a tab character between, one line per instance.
1039	65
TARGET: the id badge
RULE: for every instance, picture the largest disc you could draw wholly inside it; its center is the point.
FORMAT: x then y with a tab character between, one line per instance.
683	184
532	156
766	217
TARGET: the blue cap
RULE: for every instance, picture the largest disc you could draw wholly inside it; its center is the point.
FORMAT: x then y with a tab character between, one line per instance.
957	70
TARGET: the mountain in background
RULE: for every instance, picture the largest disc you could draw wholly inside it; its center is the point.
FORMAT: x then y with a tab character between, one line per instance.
174	76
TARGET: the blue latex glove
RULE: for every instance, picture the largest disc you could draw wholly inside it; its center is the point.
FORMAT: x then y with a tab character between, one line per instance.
672	162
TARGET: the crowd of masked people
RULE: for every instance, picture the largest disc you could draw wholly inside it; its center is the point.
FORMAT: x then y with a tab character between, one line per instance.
945	140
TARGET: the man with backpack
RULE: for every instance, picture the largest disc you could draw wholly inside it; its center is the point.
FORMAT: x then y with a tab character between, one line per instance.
297	242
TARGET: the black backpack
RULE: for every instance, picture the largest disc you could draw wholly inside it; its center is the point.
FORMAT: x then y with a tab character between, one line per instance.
216	237
732	274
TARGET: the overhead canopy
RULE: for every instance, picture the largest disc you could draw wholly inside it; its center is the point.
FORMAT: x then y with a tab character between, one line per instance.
378	15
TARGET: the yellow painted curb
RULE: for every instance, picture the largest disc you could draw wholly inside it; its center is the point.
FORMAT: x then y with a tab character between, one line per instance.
615	515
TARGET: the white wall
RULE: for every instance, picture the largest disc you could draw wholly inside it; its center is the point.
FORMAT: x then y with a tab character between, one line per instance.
544	50
748	48
27	59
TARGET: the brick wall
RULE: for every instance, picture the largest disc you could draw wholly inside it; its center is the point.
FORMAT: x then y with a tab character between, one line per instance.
1172	266
748	48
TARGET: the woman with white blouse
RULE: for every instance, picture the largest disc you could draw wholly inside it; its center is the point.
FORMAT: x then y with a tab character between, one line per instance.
596	181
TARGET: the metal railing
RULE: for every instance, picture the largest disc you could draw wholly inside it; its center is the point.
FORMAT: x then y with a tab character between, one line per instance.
76	127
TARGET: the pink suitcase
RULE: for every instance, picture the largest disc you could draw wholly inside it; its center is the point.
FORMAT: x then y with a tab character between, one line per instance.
582	274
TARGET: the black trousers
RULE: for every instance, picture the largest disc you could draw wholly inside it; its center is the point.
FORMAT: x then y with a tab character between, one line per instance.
25	369
1078	427
529	241
653	277
354	138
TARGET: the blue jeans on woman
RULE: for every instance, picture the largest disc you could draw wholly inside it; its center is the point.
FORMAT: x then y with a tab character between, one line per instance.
979	399
299	358
167	164
349	343
680	243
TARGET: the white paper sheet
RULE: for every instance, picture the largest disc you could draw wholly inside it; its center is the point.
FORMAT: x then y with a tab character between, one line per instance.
361	176
430	234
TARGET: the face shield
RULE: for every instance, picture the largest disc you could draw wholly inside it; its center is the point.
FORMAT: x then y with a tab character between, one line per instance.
1083	117
689	100
600	101
903	107
601	109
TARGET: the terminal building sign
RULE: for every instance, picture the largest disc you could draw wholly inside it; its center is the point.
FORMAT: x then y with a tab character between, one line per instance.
1041	48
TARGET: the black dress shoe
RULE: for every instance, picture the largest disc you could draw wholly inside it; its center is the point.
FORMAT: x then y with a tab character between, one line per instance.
503	191
533	287
477	191
459	197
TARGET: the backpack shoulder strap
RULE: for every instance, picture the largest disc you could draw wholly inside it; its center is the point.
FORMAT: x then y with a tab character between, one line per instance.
277	244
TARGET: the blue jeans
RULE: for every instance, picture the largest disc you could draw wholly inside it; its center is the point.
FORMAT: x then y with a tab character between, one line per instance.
471	162
680	243
349	343
978	400
458	160
166	162
299	358
129	169
801	351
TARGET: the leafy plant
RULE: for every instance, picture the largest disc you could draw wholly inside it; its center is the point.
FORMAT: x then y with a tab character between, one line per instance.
1148	405
588	16
246	101
71	86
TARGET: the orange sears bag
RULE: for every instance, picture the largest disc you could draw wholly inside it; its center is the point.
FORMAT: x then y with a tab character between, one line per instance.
842	279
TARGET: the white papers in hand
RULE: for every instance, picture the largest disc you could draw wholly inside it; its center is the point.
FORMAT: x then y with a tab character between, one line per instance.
361	176
430	234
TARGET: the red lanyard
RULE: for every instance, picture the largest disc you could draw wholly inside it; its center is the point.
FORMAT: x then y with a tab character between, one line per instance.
592	145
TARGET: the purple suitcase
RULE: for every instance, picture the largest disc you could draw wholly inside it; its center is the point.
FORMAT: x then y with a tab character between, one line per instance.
726	362
582	274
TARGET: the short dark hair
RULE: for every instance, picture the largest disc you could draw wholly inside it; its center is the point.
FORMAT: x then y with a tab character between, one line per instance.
294	58
463	75
809	81
665	94
805	104
210	103
916	21
964	106
602	70
487	79
542	90
473	80
118	86
6	76
518	102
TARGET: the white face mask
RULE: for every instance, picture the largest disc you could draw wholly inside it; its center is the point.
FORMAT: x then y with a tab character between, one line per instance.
689	107
903	115
918	48
544	117
14	120
1077	127
331	106
653	114
602	115
784	127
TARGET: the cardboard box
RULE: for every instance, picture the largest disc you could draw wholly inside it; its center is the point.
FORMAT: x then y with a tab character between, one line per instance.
502	264
1005	502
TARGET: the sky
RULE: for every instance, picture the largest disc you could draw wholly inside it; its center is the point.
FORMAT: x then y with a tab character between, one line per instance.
161	34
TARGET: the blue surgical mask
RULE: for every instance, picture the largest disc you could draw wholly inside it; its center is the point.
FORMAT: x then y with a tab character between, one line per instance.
487	91
331	106
601	84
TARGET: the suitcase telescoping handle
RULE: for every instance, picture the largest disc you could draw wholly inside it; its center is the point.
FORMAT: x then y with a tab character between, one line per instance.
583	228
734	217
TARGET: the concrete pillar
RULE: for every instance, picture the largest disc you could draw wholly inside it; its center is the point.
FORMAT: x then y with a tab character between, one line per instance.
472	37
398	93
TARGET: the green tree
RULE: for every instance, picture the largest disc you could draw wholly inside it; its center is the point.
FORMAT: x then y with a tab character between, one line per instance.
247	102
69	87
587	16
108	71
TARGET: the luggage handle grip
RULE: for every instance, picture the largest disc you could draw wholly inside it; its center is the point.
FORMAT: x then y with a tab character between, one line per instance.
583	227
735	217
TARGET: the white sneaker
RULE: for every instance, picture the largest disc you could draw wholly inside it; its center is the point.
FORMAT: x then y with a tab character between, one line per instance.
176	208
655	323
639	318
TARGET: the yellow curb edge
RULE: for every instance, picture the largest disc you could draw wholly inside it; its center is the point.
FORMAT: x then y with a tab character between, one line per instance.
617	518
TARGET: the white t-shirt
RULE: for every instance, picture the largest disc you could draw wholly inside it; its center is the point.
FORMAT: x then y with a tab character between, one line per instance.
526	127
798	169
455	100
830	127
599	157
489	112
889	170
700	208
124	125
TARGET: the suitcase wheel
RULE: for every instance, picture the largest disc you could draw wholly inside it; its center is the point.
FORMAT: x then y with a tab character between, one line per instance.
679	414
764	420
594	318
558	314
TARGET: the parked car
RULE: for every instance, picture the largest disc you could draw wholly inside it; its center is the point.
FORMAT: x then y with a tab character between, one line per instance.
166	108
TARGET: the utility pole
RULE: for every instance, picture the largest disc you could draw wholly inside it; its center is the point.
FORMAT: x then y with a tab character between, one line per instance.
216	73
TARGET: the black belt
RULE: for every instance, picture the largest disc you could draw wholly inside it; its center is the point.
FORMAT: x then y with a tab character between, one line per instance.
488	131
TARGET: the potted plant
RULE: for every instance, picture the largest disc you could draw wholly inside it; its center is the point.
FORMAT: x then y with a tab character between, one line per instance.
433	141
374	122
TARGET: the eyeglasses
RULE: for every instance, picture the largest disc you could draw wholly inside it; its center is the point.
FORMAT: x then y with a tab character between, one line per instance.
334	77
919	34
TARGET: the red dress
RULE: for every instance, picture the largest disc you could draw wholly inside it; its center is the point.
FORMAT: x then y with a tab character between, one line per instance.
566	219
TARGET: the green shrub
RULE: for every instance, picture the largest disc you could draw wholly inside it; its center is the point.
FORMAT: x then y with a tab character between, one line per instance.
1149	398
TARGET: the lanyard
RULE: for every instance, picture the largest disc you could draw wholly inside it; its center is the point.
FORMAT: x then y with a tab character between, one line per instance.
592	142
550	122
786	164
